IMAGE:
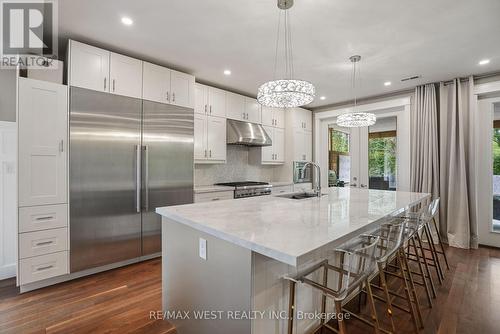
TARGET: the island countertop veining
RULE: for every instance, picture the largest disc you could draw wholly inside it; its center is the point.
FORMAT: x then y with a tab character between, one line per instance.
286	229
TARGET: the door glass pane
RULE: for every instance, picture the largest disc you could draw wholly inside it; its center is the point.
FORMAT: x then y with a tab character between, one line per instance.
382	148
496	173
339	172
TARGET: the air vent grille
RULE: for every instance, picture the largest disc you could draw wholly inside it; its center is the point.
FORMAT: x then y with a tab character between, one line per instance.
411	78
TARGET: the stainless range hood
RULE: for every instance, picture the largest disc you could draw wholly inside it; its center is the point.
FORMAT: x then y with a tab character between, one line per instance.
248	134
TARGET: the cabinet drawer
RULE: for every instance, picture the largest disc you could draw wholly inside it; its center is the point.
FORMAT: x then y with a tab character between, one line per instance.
37	218
282	189
43	242
42	267
215	196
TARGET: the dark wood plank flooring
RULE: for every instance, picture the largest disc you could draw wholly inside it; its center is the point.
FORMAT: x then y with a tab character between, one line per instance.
119	301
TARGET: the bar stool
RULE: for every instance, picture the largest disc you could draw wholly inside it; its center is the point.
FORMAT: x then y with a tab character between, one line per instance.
357	262
422	222
393	235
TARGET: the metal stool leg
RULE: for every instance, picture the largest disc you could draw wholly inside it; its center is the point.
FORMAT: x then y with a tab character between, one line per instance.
407	292
383	283
413	291
421	270
291	307
426	265
340	319
435	258
372	307
441	243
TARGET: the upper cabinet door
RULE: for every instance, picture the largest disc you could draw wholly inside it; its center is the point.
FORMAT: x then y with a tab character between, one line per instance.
126	76
155	83
279	117
43	142
252	110
307	116
235	106
200	137
216	138
181	89
308	145
89	67
267	116
299	145
279	145
201	99
268	151
216	102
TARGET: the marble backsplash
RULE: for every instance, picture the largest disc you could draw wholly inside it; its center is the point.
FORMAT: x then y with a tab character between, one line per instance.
237	168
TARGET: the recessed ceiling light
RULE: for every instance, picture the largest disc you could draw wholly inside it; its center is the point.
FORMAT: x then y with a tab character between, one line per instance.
227	72
387	83
127	21
484	62
323	98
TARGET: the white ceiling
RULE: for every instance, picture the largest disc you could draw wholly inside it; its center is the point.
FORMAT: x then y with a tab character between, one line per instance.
437	39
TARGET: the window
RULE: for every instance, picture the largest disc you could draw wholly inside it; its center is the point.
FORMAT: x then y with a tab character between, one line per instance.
382	150
496	175
339	159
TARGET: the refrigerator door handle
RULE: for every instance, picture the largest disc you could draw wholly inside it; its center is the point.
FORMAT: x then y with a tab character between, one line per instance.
138	179
146	176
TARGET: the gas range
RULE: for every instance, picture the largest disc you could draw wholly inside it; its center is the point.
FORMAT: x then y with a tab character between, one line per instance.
248	188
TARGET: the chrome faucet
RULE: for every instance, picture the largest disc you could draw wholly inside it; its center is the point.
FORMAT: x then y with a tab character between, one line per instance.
317	180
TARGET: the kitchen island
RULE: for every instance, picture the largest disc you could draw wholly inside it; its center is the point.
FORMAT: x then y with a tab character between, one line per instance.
228	258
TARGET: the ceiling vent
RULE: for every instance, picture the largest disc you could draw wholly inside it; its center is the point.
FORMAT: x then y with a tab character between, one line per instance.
411	78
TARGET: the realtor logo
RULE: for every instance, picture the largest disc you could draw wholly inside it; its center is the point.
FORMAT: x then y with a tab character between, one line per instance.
29	33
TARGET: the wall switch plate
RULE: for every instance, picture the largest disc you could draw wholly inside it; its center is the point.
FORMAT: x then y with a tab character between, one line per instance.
203	248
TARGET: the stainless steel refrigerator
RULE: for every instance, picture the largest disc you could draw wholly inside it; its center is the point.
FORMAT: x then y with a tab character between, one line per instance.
127	157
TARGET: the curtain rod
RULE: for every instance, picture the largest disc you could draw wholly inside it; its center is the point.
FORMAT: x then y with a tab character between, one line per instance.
475	77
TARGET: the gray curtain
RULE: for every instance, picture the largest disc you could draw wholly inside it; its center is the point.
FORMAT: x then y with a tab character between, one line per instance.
456	127
424	176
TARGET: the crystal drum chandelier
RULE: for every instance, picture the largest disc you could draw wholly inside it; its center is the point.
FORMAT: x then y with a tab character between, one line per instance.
287	92
355	119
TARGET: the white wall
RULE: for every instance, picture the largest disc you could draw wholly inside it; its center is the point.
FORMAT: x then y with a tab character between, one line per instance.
8	199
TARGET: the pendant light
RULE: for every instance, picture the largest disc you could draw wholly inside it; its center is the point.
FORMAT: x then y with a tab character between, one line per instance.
355	119
286	92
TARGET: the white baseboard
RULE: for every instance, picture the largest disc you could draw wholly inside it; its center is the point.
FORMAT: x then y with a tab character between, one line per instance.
7	271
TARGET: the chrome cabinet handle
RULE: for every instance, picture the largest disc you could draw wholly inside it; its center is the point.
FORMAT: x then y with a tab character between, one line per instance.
173	97
146	177
210	109
43	243
215	199
61	146
363	185
168	97
105	83
138	178
205	108
45	218
205	153
113	85
44	268
210	151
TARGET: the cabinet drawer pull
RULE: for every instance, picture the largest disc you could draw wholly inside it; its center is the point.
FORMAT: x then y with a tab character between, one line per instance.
210	151
45	218
205	153
113	85
105	83
210	109
205	108
45	267
168	97
43	243
215	199
173	97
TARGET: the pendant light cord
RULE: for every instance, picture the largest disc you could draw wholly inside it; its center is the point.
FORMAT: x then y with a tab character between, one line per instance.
287	46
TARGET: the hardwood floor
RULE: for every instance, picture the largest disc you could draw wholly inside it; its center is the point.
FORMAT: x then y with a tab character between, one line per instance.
119	301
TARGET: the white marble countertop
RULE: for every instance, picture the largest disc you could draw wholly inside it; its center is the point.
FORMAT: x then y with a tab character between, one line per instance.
211	189
286	229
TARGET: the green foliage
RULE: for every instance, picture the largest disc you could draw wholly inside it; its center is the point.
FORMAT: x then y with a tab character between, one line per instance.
496	151
382	156
339	141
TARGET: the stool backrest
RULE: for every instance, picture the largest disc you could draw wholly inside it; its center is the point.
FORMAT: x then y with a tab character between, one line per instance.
391	238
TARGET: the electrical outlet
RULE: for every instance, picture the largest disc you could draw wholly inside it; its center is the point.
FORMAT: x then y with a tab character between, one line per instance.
203	248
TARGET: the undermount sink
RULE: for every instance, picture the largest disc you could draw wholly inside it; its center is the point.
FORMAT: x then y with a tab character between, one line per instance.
299	195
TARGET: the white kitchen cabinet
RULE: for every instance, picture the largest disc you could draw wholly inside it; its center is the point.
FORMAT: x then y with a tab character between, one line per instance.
155	83
209	139
181	89
213	196
302	119
210	101
282	189
235	106
274	117
88	67
200	137
302	145
270	155
126	76
43	142
252	111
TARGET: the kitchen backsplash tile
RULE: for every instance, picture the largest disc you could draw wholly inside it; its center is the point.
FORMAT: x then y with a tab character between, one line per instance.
235	169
